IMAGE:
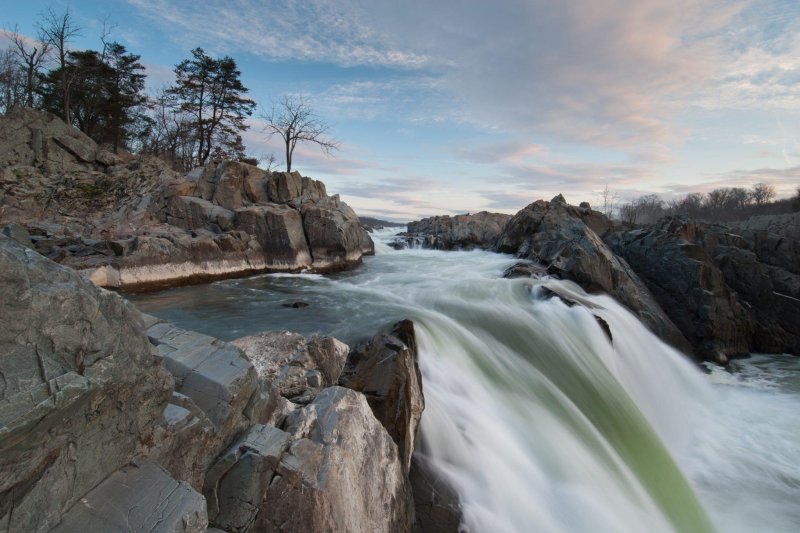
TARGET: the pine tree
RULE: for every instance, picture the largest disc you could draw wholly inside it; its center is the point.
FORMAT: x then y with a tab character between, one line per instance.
211	92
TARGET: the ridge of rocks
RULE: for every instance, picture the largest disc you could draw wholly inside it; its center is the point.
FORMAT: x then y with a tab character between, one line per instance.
132	223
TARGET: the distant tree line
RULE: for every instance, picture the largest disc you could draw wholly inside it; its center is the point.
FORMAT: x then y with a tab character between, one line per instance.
200	116
720	205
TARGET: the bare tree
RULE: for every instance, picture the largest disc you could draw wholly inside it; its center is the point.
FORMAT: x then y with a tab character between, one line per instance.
58	29
32	57
609	200
294	120
763	193
12	82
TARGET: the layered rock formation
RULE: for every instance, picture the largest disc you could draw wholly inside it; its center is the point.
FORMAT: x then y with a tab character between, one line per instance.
730	293
132	223
115	421
461	232
566	241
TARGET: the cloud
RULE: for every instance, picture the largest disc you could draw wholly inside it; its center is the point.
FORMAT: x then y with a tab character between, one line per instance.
506	151
314	30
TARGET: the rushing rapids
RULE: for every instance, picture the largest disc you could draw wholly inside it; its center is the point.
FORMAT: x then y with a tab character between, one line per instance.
537	418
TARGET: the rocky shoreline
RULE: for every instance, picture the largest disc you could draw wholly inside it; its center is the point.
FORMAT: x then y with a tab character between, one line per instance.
112	420
715	291
131	223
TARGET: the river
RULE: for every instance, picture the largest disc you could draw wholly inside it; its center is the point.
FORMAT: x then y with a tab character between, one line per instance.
539	421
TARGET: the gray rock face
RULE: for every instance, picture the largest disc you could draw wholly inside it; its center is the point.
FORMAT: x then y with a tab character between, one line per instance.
730	294
104	427
463	232
338	444
279	230
82	390
335	235
140	497
386	371
436	503
689	287
216	385
292	366
556	235
237	483
775	239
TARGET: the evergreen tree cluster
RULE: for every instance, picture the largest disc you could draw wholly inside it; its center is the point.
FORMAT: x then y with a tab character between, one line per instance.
102	92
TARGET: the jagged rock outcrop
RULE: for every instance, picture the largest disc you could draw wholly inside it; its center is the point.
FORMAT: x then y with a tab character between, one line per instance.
293	367
111	420
461	232
732	289
385	369
560	237
132	223
341	473
82	392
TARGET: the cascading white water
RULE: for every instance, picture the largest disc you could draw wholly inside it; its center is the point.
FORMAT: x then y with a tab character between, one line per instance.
536	418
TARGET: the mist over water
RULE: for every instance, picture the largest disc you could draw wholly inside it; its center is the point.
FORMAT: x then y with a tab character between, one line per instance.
539	421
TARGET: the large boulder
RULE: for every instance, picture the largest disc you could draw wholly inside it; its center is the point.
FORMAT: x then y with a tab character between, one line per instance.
292	366
279	230
385	369
83	390
555	235
335	236
341	472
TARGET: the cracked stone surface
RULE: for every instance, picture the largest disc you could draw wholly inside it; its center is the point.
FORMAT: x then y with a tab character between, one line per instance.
140	497
81	390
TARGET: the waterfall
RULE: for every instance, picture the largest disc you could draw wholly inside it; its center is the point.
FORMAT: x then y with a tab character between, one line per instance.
541	423
537	419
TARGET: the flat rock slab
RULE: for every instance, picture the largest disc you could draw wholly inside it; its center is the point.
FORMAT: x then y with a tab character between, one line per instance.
141	497
214	374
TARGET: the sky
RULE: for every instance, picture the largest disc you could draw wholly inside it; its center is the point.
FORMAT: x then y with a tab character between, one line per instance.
458	106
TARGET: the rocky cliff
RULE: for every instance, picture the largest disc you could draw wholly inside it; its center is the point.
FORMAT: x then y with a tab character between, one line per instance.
131	223
115	421
732	289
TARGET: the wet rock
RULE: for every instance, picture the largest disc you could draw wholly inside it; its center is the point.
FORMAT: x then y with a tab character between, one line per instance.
436	504
295	305
678	269
385	369
525	270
